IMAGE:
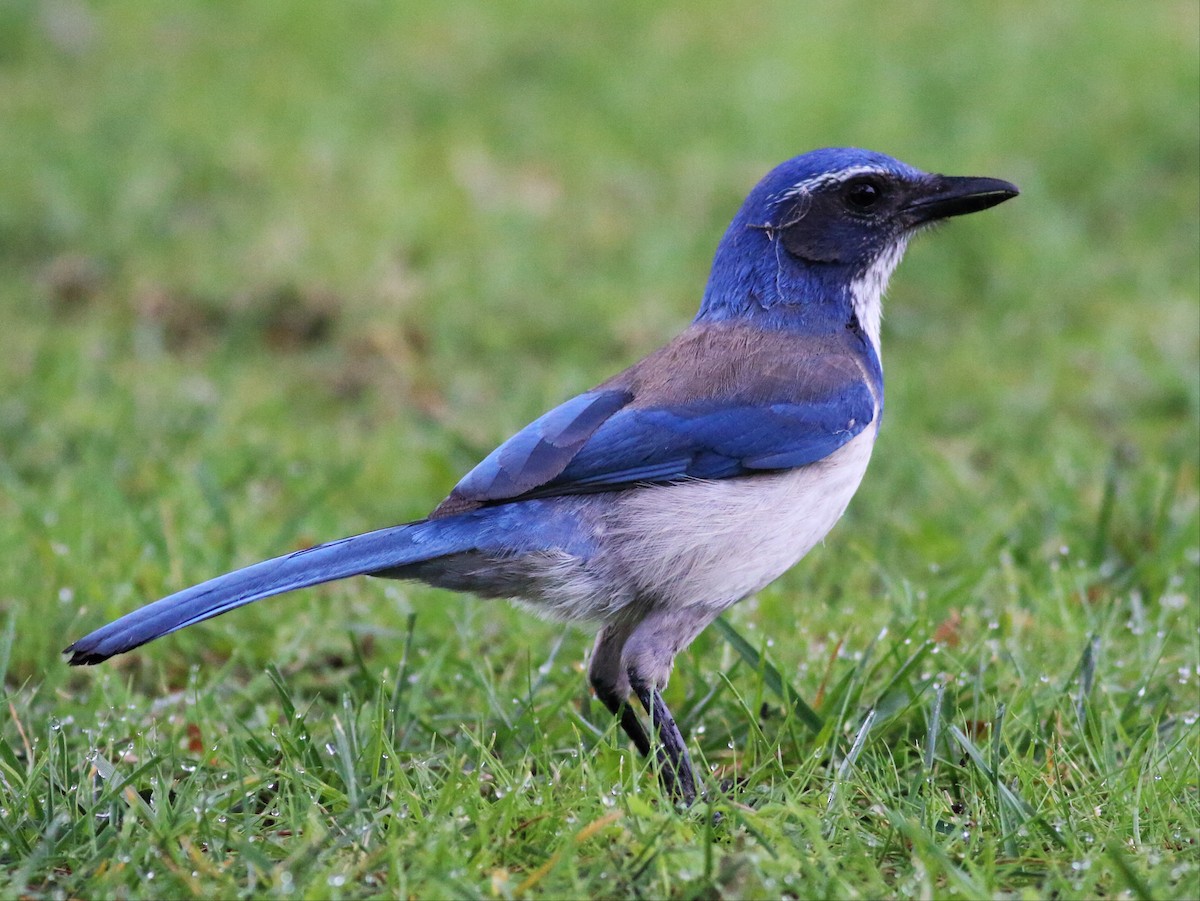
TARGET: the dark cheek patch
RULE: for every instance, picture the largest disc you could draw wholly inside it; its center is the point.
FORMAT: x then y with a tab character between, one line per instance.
814	240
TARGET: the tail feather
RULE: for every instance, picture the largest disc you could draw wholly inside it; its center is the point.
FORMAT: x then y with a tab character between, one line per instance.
372	552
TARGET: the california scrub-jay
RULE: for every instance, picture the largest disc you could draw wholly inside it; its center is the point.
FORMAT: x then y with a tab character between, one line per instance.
653	502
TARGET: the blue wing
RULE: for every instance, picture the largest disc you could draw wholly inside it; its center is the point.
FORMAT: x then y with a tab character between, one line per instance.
710	413
708	440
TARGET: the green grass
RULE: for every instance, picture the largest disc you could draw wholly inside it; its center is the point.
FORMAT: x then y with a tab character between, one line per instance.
274	274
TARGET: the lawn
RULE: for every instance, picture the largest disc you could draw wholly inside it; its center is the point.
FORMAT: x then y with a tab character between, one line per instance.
273	274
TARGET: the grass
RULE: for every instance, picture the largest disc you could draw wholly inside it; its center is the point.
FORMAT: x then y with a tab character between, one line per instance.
273	276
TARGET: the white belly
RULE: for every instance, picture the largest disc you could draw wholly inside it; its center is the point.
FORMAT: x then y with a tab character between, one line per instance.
714	542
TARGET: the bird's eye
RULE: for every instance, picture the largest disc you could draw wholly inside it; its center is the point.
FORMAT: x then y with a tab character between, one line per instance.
863	194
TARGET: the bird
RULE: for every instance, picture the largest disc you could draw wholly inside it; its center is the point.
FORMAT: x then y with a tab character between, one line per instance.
647	506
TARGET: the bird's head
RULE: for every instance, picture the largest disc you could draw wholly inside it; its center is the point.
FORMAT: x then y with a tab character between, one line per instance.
826	229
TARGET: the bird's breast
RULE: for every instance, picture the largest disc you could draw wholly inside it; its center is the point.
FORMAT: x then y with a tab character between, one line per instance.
714	542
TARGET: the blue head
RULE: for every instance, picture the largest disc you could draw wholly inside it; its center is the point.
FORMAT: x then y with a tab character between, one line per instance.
816	240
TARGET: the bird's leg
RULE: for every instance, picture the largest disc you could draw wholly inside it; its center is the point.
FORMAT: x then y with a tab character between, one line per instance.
647	658
674	763
611	686
636	656
633	727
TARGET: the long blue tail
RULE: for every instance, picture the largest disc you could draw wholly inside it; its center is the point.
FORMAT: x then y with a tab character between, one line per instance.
373	552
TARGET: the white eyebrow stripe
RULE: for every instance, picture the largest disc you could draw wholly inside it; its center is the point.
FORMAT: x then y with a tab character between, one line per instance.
828	178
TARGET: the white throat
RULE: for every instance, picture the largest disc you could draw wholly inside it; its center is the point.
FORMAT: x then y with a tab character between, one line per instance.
866	291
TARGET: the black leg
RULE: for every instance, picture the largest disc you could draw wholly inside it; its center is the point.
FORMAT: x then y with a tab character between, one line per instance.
629	719
617	666
608	679
675	766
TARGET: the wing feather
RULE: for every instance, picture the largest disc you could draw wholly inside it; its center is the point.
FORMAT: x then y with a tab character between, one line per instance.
707	406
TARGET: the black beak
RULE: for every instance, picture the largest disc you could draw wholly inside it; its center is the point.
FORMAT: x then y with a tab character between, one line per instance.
943	196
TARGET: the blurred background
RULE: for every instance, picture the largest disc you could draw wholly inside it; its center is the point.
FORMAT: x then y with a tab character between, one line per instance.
274	273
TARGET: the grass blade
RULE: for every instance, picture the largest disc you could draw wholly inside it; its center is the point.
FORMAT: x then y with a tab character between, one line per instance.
771	676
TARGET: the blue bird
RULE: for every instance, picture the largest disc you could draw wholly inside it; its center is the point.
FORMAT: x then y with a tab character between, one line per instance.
648	505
